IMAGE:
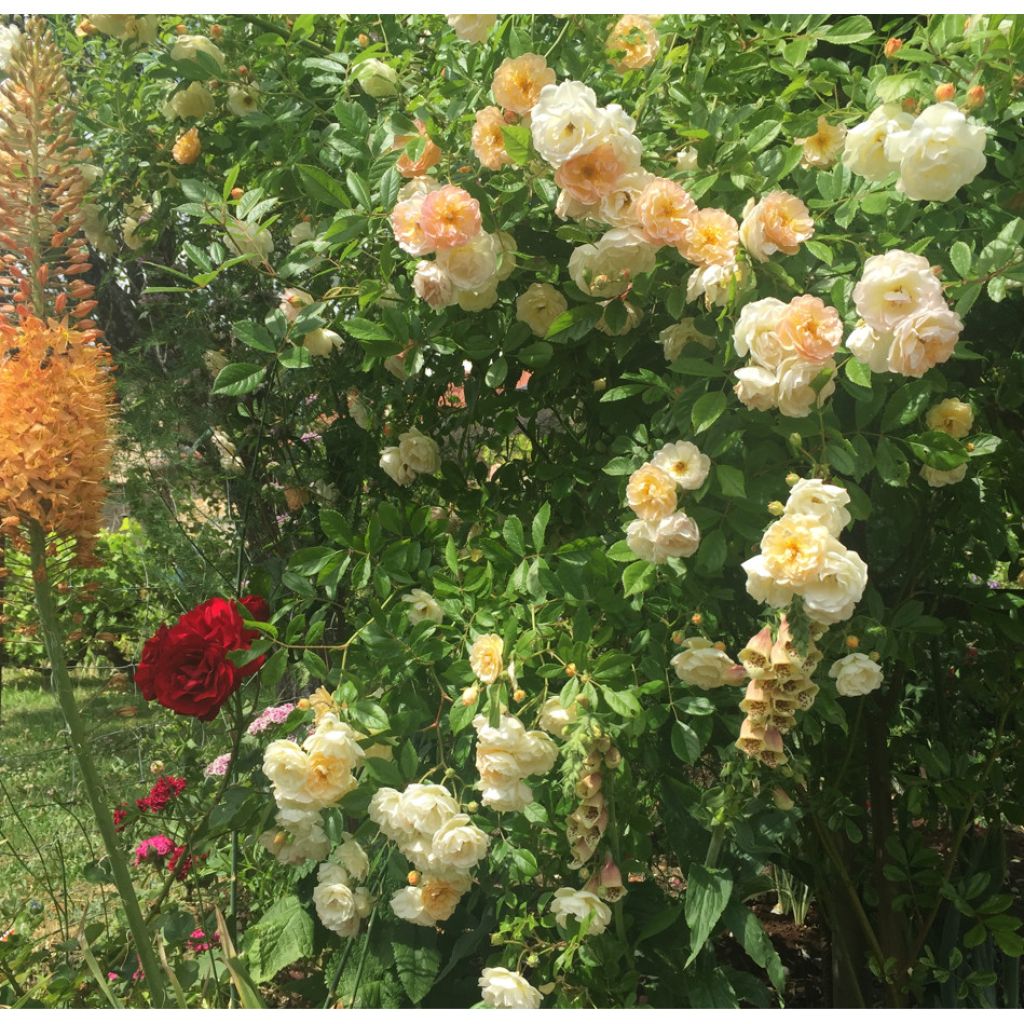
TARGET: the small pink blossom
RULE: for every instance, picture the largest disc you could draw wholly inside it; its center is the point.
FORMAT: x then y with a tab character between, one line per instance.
218	766
155	848
268	717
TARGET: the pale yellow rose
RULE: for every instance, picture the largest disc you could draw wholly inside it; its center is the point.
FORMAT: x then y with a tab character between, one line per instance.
485	657
651	493
952	417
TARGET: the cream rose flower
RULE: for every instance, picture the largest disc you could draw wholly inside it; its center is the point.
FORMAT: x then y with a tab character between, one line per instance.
293	301
943	477
286	765
823	147
687	159
472	266
485	657
196	101
508	990
424	808
419	452
834	595
674	338
810	329
794	548
488	140
894	285
581	904
856	675
396	467
827	502
763	587
539	306
472	28
777	223
755	333
186	48
422	607
718	283
684	462
924	339
335	902
618	207
474	301
566	121
674	536
796	395
243	100
322	342
433	285
651	493
757	388
705	666
518	82
606	268
458	845
300	837
864	151
512	798
938	154
440	895
632	43
870	347
352	857
554	718
383	811
407	904
952	417
376	78
640	539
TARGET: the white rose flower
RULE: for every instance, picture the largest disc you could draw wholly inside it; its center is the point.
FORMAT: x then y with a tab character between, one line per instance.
508	990
335	740
300	837
186	48
674	536
856	675
718	283
684	462
555	719
943	477
568	207
826	501
433	284
618	207
893	286
755	332
940	152
605	269
566	121
351	857
383	812
407	904
640	539
335	902
796	396
376	78
293	301
870	348
422	607
419	452
475	301
686	159
757	388
396	467
540	306
833	597
581	904
196	101
674	338
473	266
243	100
322	342
458	845
538	753
703	665
425	807
472	28
763	587
515	797
287	766
922	340
865	149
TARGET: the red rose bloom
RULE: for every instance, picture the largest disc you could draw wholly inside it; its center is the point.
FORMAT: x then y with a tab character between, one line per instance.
186	667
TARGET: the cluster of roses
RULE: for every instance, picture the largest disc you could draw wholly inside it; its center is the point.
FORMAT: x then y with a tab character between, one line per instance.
415	453
906	324
801	555
955	418
186	667
506	755
660	530
780	685
934	153
789	345
443	844
306	779
340	904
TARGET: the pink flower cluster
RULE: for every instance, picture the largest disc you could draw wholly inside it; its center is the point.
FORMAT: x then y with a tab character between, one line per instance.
265	719
155	848
218	766
165	789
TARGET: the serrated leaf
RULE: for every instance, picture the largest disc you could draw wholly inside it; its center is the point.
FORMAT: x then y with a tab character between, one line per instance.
637	577
319	185
512	531
239	379
960	256
283	935
706	410
707	893
417	960
538	528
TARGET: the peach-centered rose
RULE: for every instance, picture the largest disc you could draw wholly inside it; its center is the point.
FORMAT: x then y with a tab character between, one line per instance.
488	140
823	147
778	223
450	217
811	328
665	212
405	223
441	896
632	43
651	493
519	80
409	168
794	549
712	239
590	176
485	657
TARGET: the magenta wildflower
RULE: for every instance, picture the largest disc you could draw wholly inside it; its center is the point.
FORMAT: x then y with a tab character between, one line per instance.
155	848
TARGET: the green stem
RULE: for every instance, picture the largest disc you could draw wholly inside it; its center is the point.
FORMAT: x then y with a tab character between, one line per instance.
53	636
715	846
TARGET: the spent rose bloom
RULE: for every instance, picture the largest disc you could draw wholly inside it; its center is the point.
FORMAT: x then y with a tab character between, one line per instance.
894	285
590	176
943	477
674	338
632	43
409	167
321	342
605	269
864	151
939	153
196	101
473	266
566	121
376	78
433	285
684	462
757	388
396	467
651	493
293	301
856	675
952	417
506	989
419	452
777	223
485	657
825	501
449	217
703	665
518	81
488	140
810	329
712	240
665	213
422	607
822	149
581	904
924	339
554	718
472	28
539	306
797	394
